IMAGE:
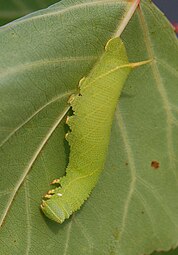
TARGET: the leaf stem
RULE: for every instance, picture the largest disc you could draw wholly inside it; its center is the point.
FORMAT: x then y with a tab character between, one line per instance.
127	17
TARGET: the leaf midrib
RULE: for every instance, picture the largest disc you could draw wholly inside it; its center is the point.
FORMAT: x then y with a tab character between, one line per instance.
31	163
33	115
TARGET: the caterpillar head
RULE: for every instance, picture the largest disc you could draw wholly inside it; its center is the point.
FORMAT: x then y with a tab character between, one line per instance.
53	210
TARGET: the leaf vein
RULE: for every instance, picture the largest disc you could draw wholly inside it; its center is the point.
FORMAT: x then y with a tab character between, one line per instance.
120	123
27	207
31	163
161	90
80	6
5	73
33	115
68	237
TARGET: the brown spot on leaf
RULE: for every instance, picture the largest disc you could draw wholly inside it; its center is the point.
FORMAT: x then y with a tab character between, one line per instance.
155	164
126	163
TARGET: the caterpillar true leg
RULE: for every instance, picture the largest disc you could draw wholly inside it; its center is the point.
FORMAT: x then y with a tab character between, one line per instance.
55	181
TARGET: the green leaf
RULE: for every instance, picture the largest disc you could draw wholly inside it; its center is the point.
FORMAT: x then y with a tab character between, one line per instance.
133	209
171	252
11	10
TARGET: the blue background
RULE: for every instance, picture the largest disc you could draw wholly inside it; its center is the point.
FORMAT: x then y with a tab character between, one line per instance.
169	7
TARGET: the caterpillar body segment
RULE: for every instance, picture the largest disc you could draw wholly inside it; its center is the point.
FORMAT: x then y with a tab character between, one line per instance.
90	127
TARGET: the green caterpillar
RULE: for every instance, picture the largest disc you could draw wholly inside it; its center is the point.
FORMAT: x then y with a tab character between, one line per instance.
90	127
